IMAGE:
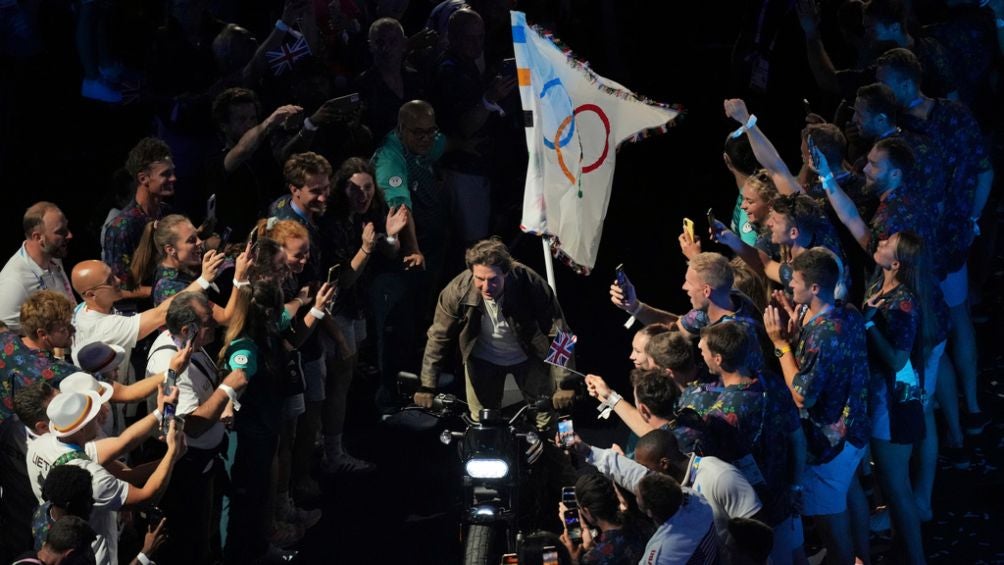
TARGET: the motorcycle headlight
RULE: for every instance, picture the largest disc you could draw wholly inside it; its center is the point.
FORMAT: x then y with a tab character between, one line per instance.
487	468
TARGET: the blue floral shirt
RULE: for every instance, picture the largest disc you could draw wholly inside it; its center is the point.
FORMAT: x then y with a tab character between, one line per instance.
898	320
616	547
951	127
831	353
168	282
122	237
21	366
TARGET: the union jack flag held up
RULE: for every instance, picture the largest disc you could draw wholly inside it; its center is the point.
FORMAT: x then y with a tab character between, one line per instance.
282	60
561	349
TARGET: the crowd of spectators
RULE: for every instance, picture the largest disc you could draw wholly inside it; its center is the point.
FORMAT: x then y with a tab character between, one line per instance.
298	206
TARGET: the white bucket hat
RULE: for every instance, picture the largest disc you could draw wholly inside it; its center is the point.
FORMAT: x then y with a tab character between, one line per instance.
83	382
69	412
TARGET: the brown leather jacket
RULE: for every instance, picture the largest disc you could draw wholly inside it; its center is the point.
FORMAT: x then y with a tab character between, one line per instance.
528	304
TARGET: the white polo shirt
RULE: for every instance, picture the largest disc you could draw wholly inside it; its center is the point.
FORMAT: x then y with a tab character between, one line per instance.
21	277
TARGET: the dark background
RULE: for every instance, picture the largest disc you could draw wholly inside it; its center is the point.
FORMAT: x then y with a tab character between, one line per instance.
56	146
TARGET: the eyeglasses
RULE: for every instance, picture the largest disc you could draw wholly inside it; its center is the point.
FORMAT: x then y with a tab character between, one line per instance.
427	132
100	286
108	283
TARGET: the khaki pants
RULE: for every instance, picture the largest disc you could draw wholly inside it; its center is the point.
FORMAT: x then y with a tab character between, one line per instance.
486	384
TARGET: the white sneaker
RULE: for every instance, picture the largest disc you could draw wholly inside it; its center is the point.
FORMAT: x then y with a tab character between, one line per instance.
98	89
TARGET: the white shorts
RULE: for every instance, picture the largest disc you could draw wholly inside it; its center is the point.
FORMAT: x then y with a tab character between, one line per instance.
955	287
826	485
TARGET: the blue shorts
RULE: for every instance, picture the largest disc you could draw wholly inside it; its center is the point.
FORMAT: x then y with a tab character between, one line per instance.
826	485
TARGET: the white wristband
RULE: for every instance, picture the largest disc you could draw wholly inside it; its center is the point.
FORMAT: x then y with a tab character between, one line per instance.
319	314
143	559
281	26
391	240
158	415
637	309
869	325
240	284
202	282
229	390
231	394
750	122
309	125
613	398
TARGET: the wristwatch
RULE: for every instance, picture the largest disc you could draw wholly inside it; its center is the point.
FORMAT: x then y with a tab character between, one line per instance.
780	351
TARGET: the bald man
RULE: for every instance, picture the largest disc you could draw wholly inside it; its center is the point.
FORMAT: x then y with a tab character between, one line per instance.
98	320
406	173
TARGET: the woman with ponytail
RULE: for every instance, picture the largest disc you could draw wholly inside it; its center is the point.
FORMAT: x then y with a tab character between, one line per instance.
172	252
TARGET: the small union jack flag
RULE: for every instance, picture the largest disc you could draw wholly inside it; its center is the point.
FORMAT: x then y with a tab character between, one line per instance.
283	59
561	349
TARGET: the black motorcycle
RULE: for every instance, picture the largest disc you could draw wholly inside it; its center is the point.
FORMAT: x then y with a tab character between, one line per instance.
496	453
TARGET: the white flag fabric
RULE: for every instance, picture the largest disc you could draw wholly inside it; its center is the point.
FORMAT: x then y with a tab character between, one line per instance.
575	120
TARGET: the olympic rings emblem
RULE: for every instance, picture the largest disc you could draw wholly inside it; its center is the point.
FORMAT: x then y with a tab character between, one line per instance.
556	82
606	140
569	124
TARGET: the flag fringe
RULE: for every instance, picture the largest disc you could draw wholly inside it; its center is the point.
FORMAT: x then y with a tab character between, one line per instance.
557	252
595	80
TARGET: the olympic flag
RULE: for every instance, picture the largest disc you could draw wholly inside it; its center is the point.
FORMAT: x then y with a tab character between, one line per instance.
575	120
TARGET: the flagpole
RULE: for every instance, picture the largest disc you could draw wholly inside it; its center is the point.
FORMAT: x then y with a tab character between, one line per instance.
549	265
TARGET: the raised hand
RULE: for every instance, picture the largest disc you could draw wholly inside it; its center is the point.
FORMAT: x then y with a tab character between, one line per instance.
324	295
597	387
735	108
397	220
624	297
368	238
212	260
808	17
689	246
242	263
282	116
500	87
180	360
776	330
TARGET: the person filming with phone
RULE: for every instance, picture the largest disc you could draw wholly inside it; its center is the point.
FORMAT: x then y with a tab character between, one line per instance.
622	534
202	398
